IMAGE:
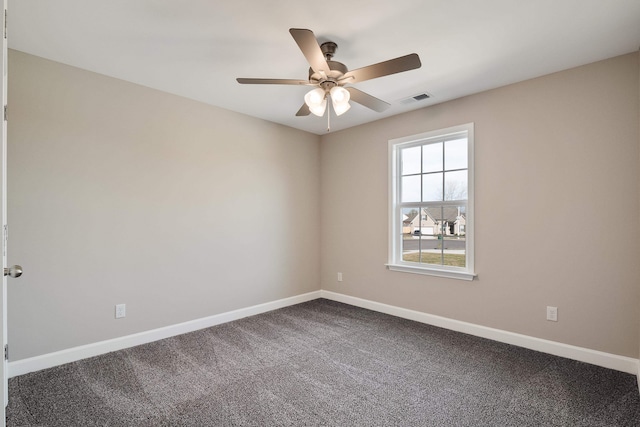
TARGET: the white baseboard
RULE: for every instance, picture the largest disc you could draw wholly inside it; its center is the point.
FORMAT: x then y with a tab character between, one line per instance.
594	357
32	364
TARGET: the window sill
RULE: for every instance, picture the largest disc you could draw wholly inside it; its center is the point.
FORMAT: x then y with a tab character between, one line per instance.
461	275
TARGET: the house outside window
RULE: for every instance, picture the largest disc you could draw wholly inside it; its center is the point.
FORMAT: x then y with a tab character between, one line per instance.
431	203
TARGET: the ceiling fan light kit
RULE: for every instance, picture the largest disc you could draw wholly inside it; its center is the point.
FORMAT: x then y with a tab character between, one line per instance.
340	100
329	77
316	100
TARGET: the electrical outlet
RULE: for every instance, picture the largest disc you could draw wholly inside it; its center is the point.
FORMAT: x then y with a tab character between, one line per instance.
552	313
121	310
339	277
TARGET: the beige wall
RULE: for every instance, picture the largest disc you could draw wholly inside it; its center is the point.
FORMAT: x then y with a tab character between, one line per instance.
557	168
123	194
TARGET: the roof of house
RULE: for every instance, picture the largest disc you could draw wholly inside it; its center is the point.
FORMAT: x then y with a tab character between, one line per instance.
408	219
446	213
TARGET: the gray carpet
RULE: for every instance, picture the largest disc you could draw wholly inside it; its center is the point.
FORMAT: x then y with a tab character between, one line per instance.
324	363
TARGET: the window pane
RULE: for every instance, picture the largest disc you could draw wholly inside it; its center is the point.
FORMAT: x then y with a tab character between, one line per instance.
432	157
411	237
455	185
410	221
435	213
443	237
431	250
411	188
455	154
411	160
454	251
428	226
432	187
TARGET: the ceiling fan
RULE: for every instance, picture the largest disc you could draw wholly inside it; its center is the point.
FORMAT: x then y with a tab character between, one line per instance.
330	77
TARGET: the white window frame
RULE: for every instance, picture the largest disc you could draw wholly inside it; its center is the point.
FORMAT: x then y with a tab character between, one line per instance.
395	207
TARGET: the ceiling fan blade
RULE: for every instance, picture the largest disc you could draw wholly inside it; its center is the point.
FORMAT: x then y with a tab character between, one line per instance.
308	44
303	111
367	100
273	82
392	66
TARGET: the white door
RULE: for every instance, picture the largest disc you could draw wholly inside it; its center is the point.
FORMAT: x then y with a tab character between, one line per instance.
3	202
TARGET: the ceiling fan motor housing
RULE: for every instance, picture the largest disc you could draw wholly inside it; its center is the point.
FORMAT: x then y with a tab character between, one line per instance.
328	79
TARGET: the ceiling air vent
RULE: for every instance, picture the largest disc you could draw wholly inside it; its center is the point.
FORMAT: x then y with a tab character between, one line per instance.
415	98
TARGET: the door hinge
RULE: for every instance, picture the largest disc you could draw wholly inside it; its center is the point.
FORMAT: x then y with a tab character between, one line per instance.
5	113
5	23
6	352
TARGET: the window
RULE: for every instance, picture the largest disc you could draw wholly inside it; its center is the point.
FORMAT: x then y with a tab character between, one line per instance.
431	203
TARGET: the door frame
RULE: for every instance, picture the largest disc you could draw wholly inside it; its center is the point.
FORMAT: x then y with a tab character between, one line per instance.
3	201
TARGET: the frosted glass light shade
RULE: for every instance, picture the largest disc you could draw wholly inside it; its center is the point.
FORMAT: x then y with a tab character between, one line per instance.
316	101
340	100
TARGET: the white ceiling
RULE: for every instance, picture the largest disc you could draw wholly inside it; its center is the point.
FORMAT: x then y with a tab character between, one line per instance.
197	48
